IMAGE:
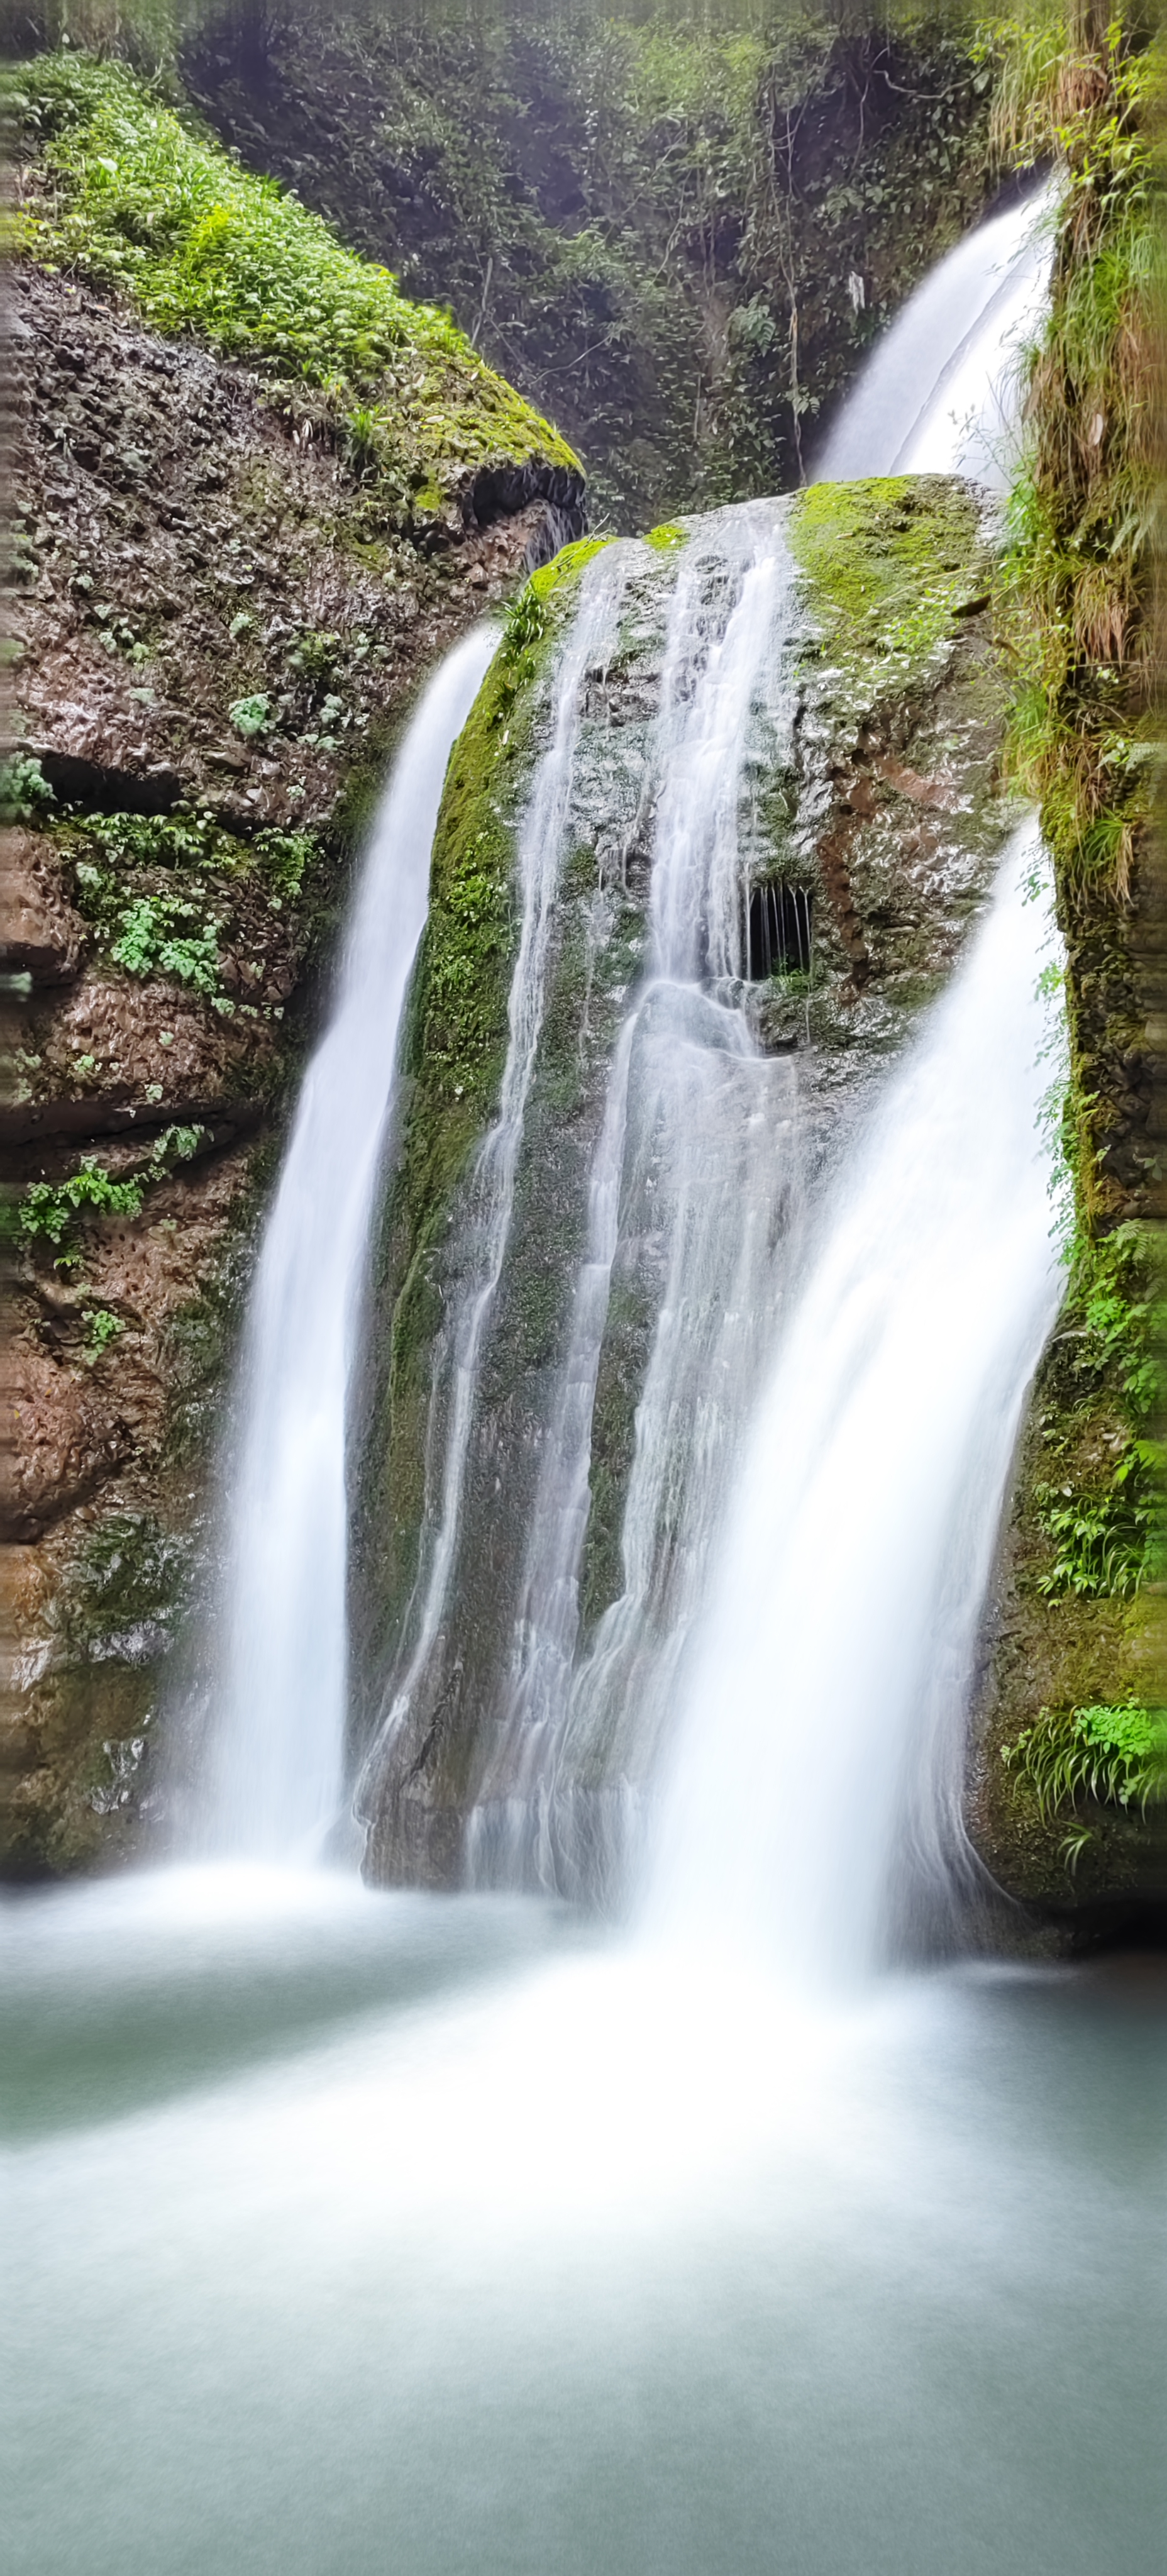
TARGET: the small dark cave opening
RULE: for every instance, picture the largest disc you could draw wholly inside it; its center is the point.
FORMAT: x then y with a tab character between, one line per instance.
781	931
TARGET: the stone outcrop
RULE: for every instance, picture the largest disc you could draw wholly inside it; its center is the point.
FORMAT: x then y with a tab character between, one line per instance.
878	798
221	615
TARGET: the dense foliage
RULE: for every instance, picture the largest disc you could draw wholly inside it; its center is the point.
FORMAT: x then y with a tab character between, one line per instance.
138	200
675	232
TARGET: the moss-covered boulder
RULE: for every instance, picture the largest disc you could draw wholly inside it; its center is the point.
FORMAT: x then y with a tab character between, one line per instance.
869	794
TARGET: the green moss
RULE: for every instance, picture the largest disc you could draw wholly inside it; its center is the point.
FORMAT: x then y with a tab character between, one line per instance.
565	567
665	538
889	564
143	203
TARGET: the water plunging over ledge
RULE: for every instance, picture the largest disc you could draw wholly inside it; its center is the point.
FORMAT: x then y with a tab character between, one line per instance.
815	1800
276	1756
356	2231
941	391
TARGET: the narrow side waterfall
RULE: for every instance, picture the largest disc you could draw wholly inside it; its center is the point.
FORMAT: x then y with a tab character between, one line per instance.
458	1363
941	392
815	1786
277	1759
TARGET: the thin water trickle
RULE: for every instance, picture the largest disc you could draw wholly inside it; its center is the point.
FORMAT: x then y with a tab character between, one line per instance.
276	1759
540	856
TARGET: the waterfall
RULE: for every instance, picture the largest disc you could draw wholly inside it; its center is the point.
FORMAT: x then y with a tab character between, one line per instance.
277	1761
693	1178
541	850
941	392
815	1787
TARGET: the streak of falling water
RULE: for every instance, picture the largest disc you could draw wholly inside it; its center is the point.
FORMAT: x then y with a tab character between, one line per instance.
692	1180
941	392
815	1791
277	1757
539	862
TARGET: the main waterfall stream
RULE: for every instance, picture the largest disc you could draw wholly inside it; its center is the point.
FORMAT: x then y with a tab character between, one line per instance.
400	2234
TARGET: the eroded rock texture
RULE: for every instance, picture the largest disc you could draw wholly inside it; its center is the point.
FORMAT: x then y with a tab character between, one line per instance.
220	628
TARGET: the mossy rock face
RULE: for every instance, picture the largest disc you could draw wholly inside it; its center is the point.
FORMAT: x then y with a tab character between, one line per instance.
255	494
141	202
873	790
1070	1627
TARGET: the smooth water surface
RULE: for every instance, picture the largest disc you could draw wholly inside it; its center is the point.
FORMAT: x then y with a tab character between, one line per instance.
443	2236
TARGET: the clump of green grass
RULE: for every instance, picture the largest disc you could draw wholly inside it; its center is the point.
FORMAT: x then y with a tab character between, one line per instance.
1077	573
140	202
1116	1756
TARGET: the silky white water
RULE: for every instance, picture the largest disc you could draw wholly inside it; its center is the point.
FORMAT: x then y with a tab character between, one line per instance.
276	1758
941	393
694	1167
540	855
366	2233
382	2233
816	1784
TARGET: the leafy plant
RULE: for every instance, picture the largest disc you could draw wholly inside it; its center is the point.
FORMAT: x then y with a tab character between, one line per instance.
102	1328
1116	1755
46	1211
317	653
153	939
49	1211
24	792
251	716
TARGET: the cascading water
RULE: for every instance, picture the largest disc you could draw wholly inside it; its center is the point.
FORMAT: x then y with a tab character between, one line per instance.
816	1785
941	392
437	2233
695	1179
540	858
692	1101
277	1760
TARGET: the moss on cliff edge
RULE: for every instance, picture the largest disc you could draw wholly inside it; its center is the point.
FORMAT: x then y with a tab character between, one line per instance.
892	562
1076	1625
143	203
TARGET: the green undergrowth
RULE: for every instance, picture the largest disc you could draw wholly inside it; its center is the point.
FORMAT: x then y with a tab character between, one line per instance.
1077	572
135	198
1116	1757
1098	1500
648	216
163	893
54	1212
25	794
889	564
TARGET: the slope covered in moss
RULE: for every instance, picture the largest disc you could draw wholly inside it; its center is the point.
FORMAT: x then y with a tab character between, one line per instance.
139	200
1075	1639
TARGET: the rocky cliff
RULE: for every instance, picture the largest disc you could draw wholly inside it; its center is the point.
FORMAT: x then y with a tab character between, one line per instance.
254	495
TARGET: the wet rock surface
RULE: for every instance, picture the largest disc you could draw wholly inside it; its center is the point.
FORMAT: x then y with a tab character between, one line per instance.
219	629
873	792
